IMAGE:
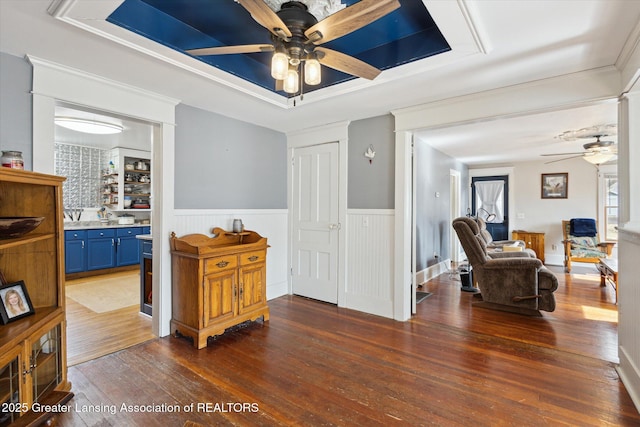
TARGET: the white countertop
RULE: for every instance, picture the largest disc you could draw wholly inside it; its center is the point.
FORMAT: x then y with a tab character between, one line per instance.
85	225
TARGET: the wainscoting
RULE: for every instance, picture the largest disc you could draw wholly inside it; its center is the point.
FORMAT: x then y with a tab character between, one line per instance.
269	223
368	258
369	261
628	296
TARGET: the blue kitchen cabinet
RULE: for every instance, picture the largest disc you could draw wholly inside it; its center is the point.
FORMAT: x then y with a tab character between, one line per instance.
127	251
97	249
101	248
75	259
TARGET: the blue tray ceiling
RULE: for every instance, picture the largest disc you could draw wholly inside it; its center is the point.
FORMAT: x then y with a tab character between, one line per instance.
405	35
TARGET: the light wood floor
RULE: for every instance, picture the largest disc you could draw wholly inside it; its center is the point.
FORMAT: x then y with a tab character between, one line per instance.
316	364
91	335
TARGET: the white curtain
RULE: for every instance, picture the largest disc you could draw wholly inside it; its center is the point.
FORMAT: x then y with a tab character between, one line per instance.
490	197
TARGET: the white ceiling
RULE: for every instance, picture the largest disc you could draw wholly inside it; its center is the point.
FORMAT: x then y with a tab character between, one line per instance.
522	138
495	44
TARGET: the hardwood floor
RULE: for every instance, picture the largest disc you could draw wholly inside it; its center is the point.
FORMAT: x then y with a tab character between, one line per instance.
317	364
91	335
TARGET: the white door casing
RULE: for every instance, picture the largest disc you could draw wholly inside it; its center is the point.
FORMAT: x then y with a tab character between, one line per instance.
454	212
315	222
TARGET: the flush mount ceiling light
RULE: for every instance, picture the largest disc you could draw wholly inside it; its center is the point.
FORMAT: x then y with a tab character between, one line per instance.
96	127
296	34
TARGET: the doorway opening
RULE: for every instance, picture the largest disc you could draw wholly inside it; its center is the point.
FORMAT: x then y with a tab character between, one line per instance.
103	286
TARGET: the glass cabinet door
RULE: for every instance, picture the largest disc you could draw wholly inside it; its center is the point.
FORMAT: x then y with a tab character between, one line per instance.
10	387
46	363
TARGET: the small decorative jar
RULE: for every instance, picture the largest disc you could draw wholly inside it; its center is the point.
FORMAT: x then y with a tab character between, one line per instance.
12	159
237	225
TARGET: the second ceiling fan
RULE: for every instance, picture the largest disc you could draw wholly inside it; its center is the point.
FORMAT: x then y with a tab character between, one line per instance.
596	152
296	35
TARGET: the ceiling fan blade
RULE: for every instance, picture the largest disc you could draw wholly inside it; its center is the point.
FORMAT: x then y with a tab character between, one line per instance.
225	50
347	64
561	154
266	17
560	160
350	19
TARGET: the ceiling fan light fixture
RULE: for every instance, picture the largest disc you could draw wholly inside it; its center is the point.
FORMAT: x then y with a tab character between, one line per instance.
598	158
279	66
291	82
95	127
312	72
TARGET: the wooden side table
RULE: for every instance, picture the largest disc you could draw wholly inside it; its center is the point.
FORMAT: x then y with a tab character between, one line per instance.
609	272
533	240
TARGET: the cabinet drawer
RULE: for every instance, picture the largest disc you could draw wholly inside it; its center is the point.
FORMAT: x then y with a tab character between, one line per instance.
220	263
97	234
75	235
252	257
129	231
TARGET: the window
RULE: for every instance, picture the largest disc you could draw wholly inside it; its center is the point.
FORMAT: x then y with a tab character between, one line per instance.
608	203
83	168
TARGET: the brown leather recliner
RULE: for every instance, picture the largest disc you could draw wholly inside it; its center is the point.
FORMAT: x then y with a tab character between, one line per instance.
493	245
521	285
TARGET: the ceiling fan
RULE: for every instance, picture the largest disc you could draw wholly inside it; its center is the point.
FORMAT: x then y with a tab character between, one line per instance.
596	152
296	34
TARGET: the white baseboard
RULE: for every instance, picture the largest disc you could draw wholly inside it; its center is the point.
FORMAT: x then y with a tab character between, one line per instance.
275	290
554	260
433	271
630	376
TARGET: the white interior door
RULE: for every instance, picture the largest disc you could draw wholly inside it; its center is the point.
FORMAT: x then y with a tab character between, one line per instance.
315	222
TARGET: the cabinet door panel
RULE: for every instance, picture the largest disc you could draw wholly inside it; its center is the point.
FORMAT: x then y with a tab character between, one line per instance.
220	296
46	362
100	253
74	256
127	251
10	374
252	292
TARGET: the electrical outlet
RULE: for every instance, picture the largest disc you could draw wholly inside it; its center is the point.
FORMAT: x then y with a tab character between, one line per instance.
554	247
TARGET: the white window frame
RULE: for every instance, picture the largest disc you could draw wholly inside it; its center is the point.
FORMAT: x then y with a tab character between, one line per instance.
604	170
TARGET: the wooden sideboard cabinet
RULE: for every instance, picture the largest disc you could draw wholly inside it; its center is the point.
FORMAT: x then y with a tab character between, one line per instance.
217	282
532	239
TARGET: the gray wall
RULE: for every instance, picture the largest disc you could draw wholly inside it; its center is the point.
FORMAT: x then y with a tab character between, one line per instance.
371	186
223	163
433	225
15	106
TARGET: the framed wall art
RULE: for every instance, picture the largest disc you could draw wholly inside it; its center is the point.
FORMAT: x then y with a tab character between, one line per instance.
14	302
554	185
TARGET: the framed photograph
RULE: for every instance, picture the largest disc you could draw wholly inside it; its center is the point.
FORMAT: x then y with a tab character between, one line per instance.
15	302
555	185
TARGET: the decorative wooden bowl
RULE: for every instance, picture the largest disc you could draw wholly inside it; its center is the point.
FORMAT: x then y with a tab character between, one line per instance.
17	226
